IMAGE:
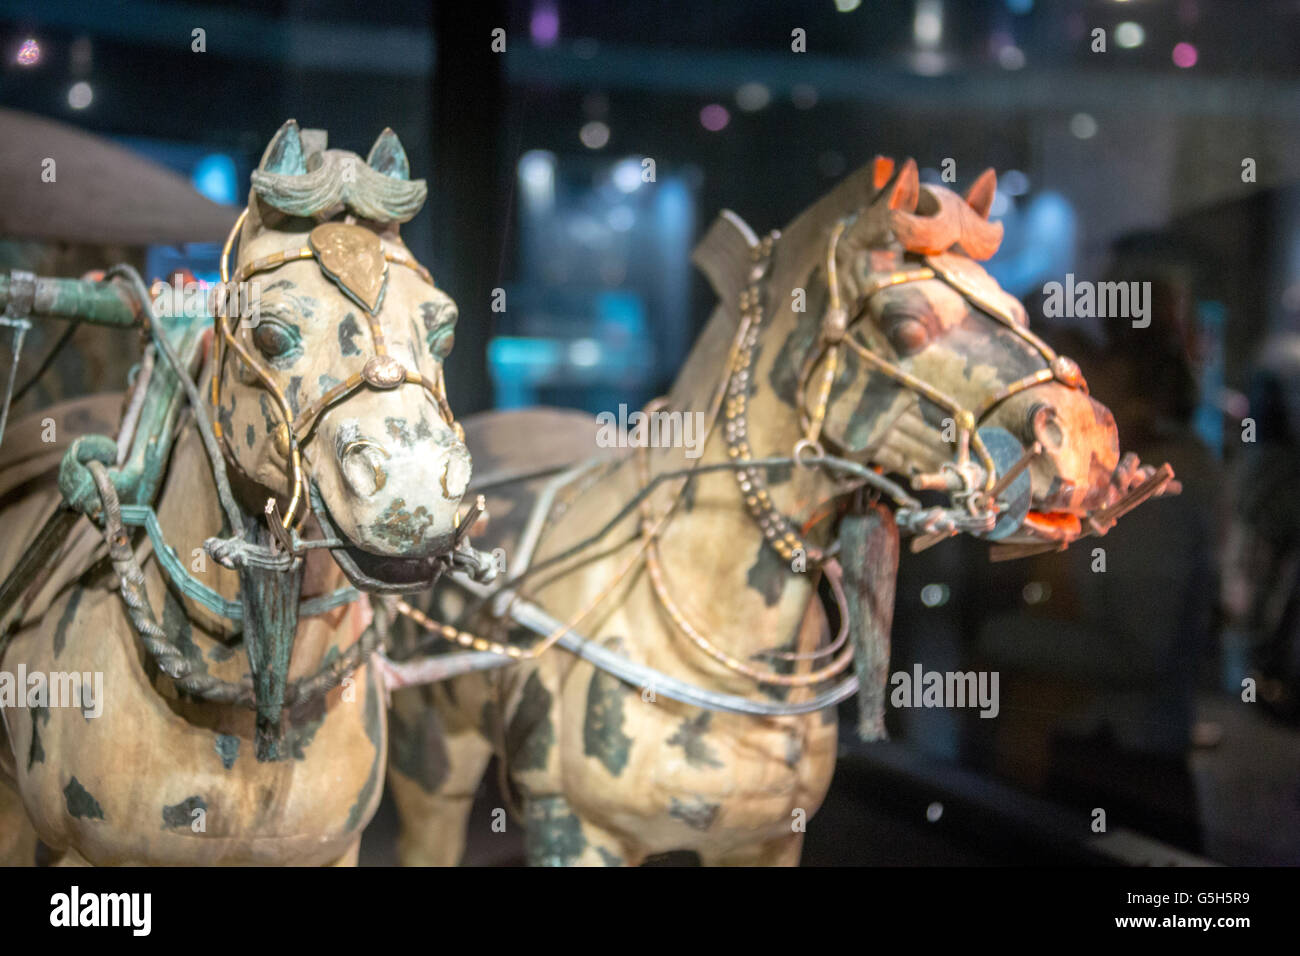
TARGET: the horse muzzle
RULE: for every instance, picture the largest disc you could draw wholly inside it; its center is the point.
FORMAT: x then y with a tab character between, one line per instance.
1077	483
392	486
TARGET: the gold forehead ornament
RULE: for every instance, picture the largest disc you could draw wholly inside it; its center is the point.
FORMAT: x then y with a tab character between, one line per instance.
354	258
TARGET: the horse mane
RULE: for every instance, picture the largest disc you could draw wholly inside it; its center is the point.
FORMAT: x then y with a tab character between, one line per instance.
886	201
299	176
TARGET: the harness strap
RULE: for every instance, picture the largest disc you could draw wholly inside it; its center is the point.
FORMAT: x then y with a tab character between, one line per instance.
144	516
647	679
172	660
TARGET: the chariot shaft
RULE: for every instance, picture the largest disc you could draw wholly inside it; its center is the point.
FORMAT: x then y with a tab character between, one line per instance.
108	302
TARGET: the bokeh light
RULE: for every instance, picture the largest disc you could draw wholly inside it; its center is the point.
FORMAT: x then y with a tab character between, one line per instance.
594	135
544	26
714	117
1083	125
1185	55
29	54
803	95
1130	35
1011	57
751	97
935	595
80	95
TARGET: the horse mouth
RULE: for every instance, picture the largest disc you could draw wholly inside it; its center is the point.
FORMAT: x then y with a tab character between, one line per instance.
1053	525
377	573
1057	530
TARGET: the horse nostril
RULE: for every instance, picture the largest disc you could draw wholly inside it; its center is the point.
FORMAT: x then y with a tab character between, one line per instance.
362	466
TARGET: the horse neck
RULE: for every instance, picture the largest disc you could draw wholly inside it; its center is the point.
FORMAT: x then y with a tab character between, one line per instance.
739	592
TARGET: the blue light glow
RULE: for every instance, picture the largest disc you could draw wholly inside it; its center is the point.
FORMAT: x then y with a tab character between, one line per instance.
214	177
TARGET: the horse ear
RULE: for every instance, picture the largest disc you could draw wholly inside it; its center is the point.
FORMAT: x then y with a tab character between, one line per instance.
905	190
882	167
388	157
980	195
284	154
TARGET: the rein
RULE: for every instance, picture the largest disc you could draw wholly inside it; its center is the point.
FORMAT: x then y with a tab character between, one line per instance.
172	661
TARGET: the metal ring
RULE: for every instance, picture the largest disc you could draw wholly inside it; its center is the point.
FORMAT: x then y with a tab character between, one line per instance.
804	444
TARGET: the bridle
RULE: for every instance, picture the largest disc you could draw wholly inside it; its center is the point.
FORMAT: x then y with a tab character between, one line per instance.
380	371
976	486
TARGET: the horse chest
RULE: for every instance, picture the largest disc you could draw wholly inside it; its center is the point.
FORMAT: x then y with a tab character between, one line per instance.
652	766
158	782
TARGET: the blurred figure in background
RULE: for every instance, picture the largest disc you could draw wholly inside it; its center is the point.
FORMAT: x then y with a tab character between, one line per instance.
1262	564
1101	669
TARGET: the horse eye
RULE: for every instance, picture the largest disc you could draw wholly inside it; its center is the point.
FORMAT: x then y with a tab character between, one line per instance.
908	336
272	340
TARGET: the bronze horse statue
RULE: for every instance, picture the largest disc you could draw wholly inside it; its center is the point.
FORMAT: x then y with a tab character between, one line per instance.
862	342
241	721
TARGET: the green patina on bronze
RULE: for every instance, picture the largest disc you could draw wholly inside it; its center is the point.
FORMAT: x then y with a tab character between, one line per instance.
80	803
227	748
554	835
270	603
418	749
36	752
530	735
696	813
97	303
690	737
602	726
65	619
182	814
400	527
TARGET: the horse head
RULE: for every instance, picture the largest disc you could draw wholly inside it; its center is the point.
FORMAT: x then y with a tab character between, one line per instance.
329	390
912	358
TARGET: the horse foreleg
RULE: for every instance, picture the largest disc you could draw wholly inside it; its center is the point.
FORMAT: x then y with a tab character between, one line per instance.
559	837
433	776
349	857
17	838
